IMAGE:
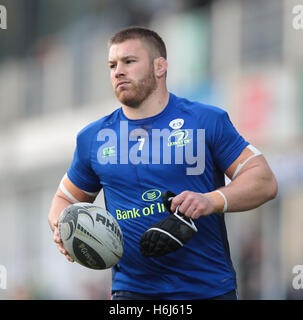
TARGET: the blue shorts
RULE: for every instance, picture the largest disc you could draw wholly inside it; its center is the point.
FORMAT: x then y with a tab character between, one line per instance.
128	295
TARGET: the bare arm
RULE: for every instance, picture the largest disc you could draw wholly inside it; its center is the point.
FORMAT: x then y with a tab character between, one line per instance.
66	194
63	199
253	185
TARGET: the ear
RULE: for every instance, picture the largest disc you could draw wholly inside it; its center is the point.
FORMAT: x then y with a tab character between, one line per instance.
160	67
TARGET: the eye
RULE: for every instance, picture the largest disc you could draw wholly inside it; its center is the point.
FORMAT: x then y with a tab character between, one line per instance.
130	61
112	66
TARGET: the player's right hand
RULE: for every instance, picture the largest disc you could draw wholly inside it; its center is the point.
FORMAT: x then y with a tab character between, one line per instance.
58	241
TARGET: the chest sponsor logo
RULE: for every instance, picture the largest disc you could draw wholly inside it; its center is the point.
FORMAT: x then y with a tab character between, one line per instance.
156	207
151	195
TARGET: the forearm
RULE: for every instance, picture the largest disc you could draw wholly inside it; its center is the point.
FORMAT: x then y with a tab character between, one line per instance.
247	191
59	203
251	186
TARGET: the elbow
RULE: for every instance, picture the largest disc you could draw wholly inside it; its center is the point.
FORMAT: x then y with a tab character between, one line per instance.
272	188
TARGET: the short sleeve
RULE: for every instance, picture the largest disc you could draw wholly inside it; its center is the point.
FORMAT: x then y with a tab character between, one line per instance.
80	171
227	143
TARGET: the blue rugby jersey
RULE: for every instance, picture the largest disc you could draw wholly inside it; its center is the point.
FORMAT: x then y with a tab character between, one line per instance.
135	161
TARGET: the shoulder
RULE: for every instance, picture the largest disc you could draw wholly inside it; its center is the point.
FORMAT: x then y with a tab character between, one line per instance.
92	129
87	135
198	109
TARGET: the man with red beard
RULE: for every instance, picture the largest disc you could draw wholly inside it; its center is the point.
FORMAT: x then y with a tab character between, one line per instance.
138	75
181	252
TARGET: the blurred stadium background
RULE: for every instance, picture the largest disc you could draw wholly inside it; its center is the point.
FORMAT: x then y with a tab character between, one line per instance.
242	55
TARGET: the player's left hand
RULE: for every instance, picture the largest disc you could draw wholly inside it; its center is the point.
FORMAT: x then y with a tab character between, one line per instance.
193	204
169	234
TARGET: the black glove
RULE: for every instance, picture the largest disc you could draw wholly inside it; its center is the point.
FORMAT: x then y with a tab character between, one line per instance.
169	234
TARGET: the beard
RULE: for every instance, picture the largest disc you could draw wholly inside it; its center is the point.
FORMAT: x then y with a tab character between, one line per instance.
134	94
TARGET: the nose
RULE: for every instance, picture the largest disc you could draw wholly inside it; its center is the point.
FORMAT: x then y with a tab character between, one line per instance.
119	70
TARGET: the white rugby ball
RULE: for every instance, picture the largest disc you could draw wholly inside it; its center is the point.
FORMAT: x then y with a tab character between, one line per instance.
91	235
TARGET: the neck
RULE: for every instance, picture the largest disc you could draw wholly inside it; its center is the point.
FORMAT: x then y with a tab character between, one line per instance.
151	106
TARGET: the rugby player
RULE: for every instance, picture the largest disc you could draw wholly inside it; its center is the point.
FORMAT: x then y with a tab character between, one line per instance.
135	172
